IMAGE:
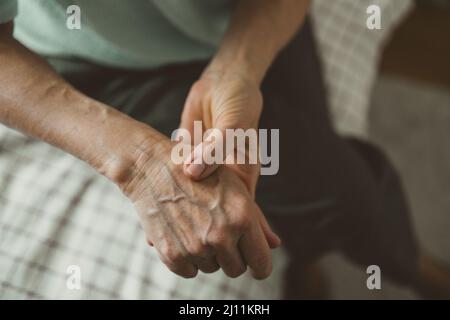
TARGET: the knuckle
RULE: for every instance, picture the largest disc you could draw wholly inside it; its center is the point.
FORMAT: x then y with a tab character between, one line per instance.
175	262
237	271
217	239
197	249
241	202
174	256
241	222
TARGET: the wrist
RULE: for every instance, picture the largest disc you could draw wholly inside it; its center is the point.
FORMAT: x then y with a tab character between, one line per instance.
238	64
122	146
120	164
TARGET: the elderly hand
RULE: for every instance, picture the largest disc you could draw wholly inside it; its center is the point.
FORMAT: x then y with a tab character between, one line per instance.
198	225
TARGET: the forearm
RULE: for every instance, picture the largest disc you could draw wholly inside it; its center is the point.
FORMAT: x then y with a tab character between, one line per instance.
39	103
258	30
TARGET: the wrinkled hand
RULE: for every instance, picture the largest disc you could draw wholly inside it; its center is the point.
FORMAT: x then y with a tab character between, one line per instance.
203	225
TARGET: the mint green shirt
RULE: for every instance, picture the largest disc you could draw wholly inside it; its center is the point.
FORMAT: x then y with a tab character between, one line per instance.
121	33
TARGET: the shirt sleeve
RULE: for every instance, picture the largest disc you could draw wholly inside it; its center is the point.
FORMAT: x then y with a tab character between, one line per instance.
8	10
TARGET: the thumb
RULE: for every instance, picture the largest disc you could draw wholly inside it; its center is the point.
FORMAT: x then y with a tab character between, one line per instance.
206	157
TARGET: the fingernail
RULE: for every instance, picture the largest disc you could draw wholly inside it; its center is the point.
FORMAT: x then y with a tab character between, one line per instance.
196	156
196	170
188	161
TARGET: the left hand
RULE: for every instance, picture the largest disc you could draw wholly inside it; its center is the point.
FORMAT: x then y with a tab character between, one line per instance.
222	101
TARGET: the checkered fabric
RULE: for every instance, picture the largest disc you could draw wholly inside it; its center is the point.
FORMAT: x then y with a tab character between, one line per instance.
56	212
350	54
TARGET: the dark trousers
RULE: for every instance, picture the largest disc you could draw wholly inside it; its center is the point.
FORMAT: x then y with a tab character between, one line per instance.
331	193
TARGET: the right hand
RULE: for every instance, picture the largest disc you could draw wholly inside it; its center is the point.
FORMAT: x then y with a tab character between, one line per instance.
203	225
